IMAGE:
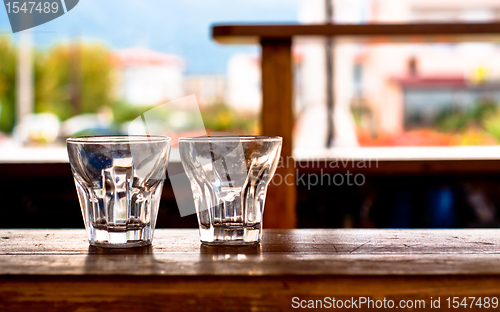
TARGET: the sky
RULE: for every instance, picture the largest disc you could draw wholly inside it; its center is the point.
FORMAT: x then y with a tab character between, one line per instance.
176	27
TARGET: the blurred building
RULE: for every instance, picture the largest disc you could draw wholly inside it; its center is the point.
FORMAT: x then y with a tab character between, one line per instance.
244	89
409	85
149	77
311	87
208	89
393	87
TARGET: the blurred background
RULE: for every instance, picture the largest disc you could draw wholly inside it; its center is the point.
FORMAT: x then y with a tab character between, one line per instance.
98	67
95	68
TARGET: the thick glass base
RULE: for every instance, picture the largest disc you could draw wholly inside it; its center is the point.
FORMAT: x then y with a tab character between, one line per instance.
230	235
120	239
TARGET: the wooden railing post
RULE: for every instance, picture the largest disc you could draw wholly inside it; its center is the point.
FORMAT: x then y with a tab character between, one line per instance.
277	119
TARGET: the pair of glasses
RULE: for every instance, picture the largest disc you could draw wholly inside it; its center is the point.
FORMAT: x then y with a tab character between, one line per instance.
119	180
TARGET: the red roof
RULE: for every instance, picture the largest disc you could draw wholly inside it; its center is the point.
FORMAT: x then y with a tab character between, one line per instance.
145	57
432	81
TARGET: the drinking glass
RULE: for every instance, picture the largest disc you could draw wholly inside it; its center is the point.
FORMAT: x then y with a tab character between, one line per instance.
119	180
229	176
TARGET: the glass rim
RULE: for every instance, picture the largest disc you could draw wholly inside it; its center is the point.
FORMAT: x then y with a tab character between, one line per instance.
113	139
232	138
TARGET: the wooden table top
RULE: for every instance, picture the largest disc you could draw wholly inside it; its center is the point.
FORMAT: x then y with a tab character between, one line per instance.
55	270
282	252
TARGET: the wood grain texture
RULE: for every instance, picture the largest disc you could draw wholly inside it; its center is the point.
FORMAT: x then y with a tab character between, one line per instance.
56	270
413	32
277	119
229	293
282	252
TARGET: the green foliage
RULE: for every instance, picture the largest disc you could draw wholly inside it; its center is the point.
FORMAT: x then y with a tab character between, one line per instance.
7	84
124	111
451	120
476	126
91	67
97	78
221	117
491	124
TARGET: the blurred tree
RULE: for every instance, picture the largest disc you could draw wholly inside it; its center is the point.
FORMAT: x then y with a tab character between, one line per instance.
222	117
7	84
91	64
53	80
450	120
491	124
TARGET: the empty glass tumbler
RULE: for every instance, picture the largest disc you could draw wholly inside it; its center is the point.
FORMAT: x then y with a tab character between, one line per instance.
229	177
119	180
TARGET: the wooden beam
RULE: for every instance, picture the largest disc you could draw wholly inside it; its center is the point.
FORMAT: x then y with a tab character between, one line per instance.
229	293
277	119
245	34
